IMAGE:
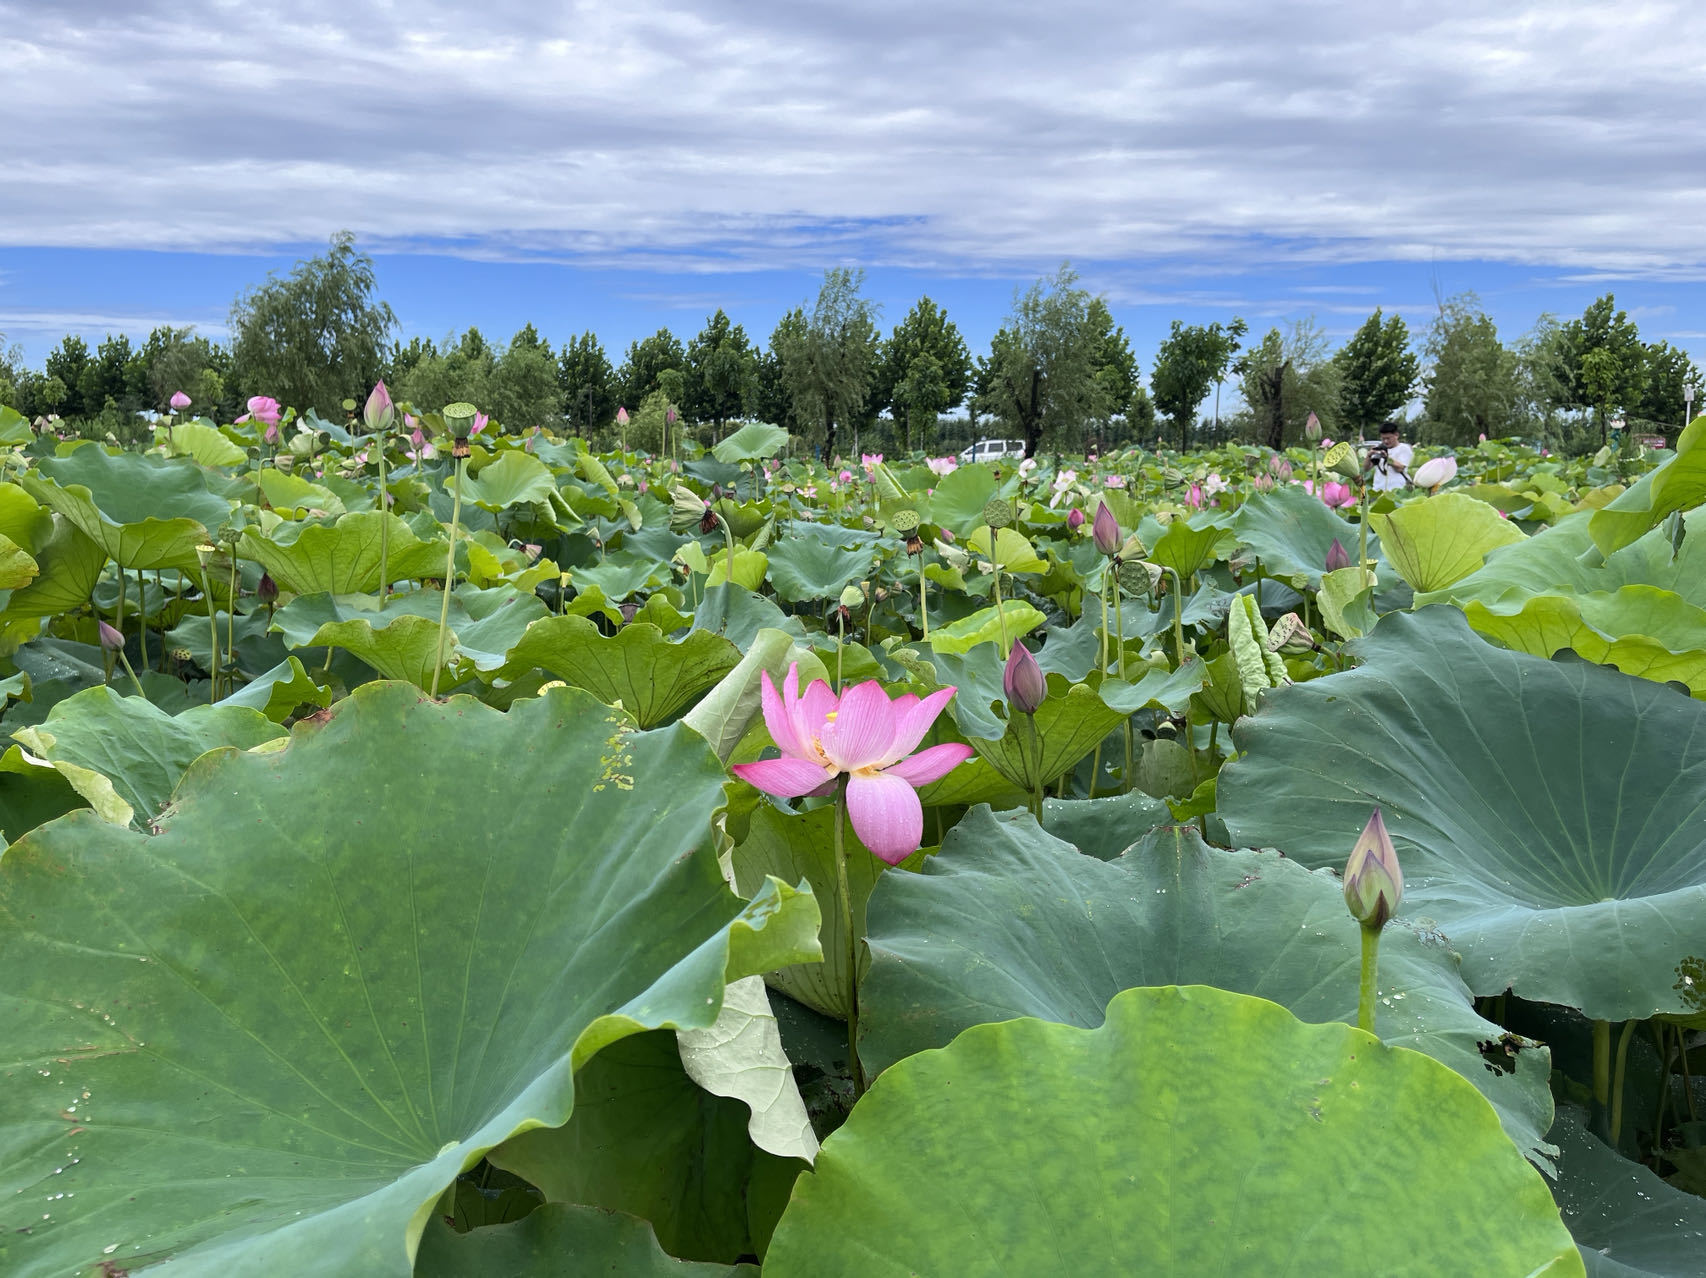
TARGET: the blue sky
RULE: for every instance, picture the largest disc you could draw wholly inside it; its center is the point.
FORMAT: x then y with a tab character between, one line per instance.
626	168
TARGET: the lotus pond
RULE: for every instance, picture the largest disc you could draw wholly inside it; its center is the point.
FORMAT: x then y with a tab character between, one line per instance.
445	851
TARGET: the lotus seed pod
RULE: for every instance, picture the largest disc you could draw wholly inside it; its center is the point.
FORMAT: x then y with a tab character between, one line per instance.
904	521
998	513
1133	577
1342	459
459	419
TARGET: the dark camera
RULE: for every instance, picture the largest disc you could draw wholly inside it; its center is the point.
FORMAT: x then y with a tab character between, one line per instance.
1377	455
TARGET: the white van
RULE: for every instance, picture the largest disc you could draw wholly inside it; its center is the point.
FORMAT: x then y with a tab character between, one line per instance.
993	450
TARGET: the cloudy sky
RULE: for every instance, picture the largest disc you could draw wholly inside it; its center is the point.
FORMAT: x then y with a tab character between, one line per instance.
625	166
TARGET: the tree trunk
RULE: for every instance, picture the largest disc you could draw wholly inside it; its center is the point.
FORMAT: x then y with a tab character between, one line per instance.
829	435
1032	418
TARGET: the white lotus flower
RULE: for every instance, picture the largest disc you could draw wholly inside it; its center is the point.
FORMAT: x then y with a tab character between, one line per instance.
1436	471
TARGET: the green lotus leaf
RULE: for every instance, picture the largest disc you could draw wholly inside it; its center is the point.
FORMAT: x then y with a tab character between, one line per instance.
1103	828
513	478
1068	725
1679	484
1626	1220
1346	598
1564	558
14	426
1258	669
1547	814
69	564
819	562
144	512
1194	1132
1007	921
646	1140
1436	541
727	710
1190	545
1010	551
959	499
1642	630
654	678
208	445
282	1047
974	781
342	558
22	519
1290	533
281	691
539	1245
17	567
295	495
985	626
752	442
108	745
32	793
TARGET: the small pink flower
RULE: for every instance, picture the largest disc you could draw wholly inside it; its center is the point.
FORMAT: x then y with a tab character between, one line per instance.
943	465
870	461
621	416
1075	519
1114	481
180	401
808	491
644	486
1326	443
1483	437
846	476
1193	497
948	535
867	737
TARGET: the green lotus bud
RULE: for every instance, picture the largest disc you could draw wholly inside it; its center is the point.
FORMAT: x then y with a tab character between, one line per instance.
998	513
852	597
1374	883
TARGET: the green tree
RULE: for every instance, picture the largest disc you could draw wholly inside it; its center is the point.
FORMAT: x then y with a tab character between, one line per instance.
645	364
1114	368
923	370
108	383
316	337
460	370
1472	381
65	363
523	383
176	359
772	402
1669	372
1039	378
587	384
829	363
721	373
1607	361
1190	361
1377	371
1285	377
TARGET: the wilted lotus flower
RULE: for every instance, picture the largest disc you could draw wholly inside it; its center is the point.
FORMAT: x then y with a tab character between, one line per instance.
1374	883
379	412
1075	519
112	639
1023	680
1105	530
480	420
180	401
1436	471
621	416
865	735
1337	556
1312	427
1337	495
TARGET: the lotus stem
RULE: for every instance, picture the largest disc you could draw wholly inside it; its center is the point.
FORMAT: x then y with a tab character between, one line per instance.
1602	1065
384	529
1036	768
1000	615
1104	596
142	615
1362	526
1119	661
132	673
853	1065
231	629
1178	618
1370	978
1617	1080
119	624
449	572
840	643
213	637
1660	1040
923	609
1687	1082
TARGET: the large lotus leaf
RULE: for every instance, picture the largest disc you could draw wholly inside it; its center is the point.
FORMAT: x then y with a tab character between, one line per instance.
1290	533
751	442
1642	630
144	512
645	1139
1103	828
17	567
1007	921
295	495
557	1240
1547	814
1346	599
1037	749
108	745
959	499
809	565
515	477
792	847
619	574
1194	1132
206	444
1188	546
31	793
1625	1219
272	1051
654	678
342	558
1564	558
1007	549
986	626
1439	540
281	691
1679	484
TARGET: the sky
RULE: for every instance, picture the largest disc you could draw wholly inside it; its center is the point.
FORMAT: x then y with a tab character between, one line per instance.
627	167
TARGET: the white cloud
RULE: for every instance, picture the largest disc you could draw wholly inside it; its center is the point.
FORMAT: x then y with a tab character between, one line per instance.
729	134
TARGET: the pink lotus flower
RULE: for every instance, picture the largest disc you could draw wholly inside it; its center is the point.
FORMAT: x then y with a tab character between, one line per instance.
865	735
262	409
846	476
870	461
1114	481
1336	495
272	435
621	416
180	401
1193	497
480	420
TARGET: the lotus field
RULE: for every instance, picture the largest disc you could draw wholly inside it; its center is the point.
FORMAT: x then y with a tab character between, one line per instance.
441	850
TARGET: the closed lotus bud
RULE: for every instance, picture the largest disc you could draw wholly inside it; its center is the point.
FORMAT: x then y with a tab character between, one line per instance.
1290	636
621	416
1075	519
1312	428
1337	556
669	415
1023	681
267	590
111	638
180	401
379	412
1374	883
1105	531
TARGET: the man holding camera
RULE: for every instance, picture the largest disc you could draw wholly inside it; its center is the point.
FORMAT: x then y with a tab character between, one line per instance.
1390	460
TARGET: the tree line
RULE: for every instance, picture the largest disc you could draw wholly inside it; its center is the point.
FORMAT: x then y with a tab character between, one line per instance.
1059	373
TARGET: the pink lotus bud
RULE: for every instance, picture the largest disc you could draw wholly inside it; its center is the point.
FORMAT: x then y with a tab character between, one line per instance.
1023	681
418	439
1193	496
1312	427
379	412
669	415
267	590
1075	519
272	435
621	416
111	639
948	536
1337	556
1374	882
180	401
1105	531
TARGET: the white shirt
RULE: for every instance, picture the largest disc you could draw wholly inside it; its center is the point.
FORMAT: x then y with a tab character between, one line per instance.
1385	477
